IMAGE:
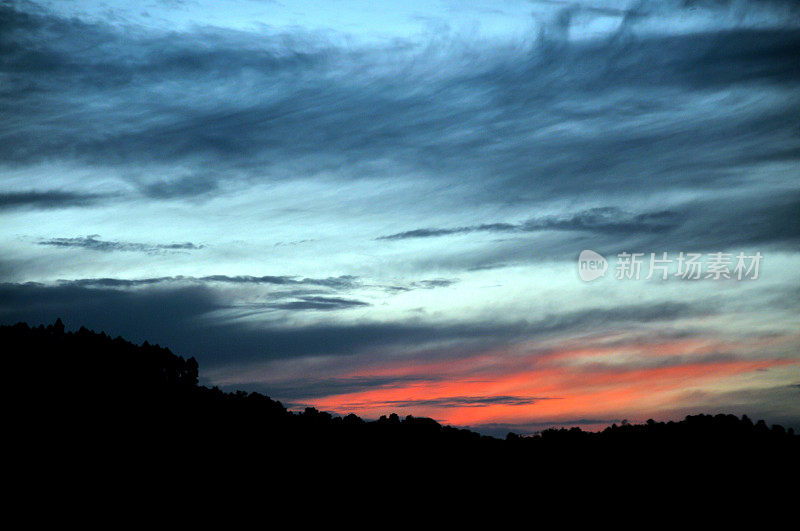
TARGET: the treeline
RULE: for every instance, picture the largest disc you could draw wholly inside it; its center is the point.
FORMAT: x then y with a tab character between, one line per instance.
85	393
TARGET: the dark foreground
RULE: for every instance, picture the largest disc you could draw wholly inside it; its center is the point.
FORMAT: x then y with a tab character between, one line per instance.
92	404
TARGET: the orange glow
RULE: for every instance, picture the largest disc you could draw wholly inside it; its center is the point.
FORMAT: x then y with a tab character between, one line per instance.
570	383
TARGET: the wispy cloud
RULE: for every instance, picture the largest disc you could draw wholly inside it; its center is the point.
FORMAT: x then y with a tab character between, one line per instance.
340	282
601	220
537	119
93	243
464	401
318	303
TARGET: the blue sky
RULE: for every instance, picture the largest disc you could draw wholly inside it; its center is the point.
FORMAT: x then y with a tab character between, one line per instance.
378	206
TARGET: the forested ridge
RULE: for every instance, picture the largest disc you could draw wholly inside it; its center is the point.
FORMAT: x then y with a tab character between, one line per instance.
101	396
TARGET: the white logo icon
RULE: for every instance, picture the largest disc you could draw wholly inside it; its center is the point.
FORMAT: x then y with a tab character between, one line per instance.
591	265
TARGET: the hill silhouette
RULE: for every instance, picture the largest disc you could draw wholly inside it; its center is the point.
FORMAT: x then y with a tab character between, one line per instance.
94	399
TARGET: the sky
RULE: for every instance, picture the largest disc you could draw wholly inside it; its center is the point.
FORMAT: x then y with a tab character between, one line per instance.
377	207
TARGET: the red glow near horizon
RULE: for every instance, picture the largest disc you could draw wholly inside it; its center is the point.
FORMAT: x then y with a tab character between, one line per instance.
561	384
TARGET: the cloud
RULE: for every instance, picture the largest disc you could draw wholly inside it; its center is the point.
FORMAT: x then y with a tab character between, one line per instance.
180	315
649	136
428	233
192	186
318	303
421	284
465	401
92	243
435	283
341	282
308	389
601	220
762	221
160	314
49	199
337	283
639	118
520	121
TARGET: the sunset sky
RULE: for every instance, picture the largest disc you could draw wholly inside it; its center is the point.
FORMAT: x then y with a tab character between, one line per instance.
376	207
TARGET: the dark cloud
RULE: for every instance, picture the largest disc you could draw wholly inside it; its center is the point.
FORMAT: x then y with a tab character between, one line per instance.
444	402
428	233
338	283
160	315
318	303
435	283
607	122
92	243
468	401
763	221
180	316
521	123
293	391
46	199
760	219
602	220
421	284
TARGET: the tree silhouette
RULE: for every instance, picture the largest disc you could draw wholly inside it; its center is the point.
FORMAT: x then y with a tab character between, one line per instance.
93	399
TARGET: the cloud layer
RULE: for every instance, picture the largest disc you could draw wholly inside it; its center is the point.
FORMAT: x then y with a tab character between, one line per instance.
387	215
